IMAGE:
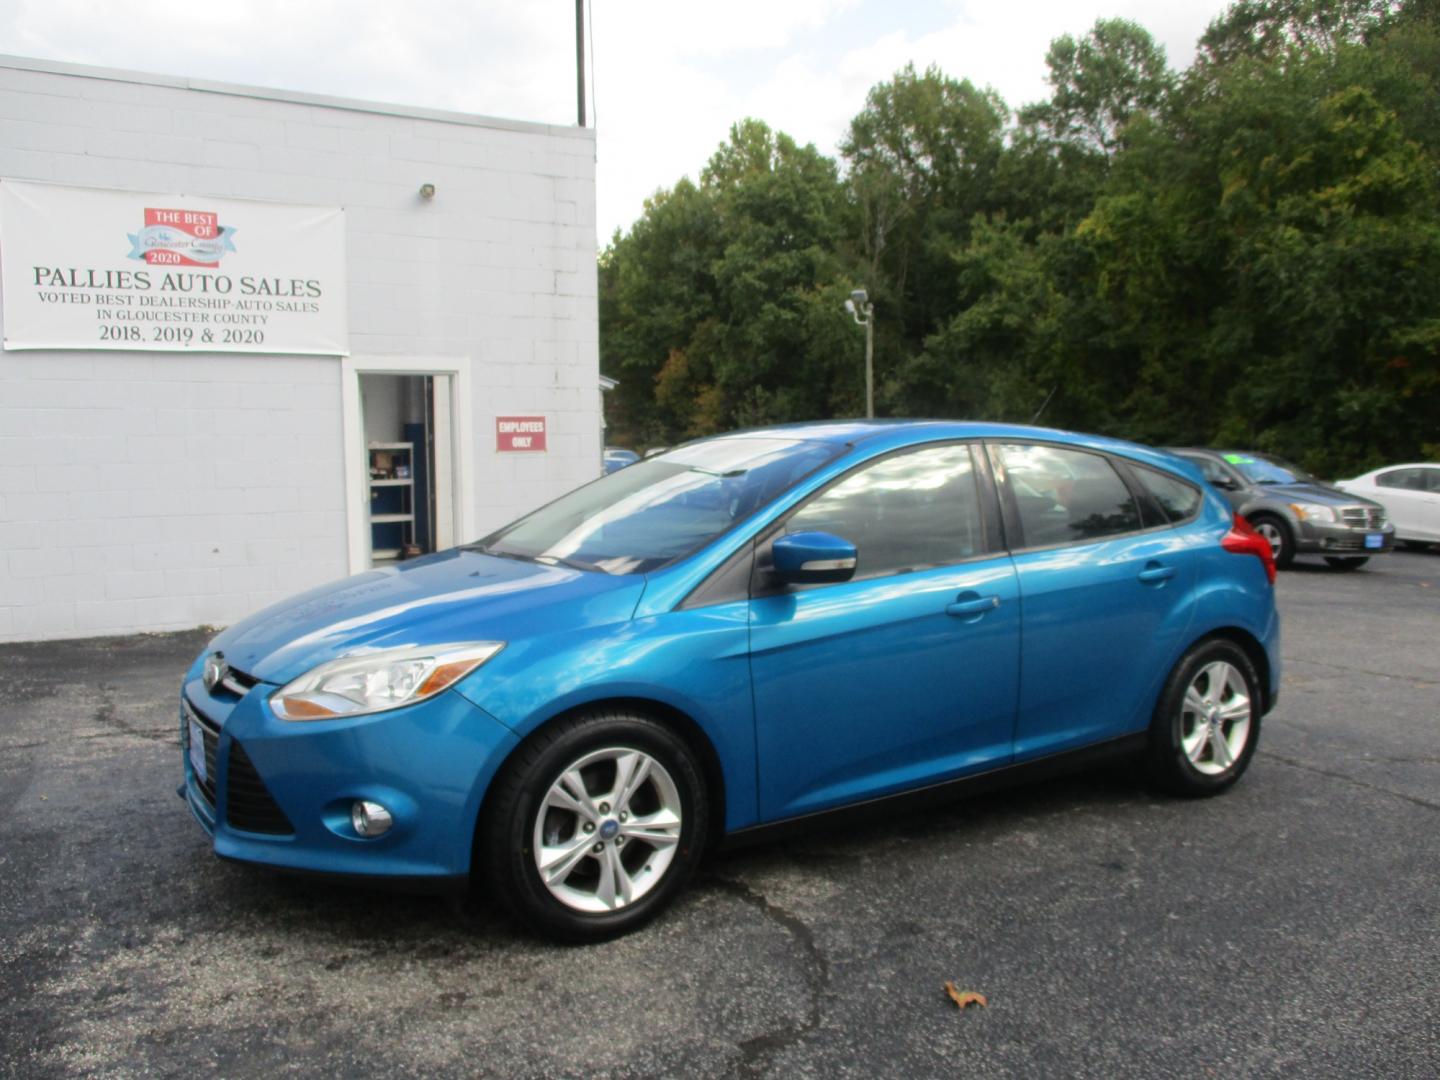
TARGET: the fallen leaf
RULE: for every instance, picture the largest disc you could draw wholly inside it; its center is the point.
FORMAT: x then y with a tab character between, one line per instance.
965	998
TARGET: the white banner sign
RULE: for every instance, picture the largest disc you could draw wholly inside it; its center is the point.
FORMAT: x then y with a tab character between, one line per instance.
89	269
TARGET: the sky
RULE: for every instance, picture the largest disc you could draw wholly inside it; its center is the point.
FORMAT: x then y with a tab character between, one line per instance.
668	77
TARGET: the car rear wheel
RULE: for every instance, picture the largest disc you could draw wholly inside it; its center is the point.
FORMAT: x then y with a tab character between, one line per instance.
594	825
1207	722
1280	537
1340	562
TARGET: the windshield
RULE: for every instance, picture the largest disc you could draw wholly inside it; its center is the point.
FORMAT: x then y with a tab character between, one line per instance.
660	509
1267	470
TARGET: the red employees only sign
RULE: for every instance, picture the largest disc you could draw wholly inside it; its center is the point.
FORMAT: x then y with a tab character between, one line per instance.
519	433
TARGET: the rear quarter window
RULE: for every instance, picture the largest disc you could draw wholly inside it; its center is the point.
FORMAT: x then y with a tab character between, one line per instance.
1178	500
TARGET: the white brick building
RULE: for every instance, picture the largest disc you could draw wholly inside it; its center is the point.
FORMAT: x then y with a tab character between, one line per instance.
164	490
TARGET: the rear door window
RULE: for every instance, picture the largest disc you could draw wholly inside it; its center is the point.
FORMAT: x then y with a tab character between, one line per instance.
1066	496
1406	479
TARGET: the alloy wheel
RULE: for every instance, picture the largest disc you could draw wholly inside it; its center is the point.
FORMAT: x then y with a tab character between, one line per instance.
1215	718
1272	534
607	829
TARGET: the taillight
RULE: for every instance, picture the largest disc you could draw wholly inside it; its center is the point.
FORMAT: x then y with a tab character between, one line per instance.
1242	539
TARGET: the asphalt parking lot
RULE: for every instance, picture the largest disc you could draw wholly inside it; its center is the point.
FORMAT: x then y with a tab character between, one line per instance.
1289	928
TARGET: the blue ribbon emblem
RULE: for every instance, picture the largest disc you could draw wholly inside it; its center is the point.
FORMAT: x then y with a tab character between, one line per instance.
169	238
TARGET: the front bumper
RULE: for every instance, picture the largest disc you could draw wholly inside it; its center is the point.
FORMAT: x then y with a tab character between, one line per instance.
279	793
1316	538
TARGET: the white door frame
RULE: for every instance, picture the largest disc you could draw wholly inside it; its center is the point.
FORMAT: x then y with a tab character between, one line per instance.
462	456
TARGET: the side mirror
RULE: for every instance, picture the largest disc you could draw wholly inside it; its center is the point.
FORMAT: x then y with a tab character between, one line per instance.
1224	483
813	558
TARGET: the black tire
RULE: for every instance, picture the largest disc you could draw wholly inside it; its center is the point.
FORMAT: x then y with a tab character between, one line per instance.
506	835
1282	538
1168	762
1341	562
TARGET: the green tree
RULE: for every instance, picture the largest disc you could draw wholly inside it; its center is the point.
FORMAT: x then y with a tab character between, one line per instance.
657	288
922	158
1246	254
1270	29
1099	84
1266	260
709	303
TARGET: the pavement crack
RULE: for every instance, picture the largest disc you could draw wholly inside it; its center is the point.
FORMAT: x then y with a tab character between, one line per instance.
1305	767
105	716
756	1052
1359	671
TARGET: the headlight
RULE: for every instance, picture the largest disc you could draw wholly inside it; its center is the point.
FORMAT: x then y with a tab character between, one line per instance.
376	681
1313	512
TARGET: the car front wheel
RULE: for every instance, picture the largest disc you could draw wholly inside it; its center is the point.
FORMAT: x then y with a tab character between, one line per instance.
1279	536
594	825
1207	722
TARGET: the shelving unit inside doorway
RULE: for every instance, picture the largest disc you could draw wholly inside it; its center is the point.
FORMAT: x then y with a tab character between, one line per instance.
392	499
407	490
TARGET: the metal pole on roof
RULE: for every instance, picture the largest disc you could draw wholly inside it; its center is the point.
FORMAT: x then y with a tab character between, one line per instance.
580	59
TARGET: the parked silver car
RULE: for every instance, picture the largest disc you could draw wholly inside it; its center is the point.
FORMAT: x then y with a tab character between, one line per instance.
1297	513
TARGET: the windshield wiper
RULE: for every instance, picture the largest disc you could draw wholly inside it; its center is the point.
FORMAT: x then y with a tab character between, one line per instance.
560	560
546	560
484	550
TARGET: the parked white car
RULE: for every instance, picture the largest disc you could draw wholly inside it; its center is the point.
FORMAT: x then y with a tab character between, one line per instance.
1410	495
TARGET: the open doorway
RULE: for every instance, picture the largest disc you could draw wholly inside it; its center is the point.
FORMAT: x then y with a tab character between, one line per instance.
405	434
405	465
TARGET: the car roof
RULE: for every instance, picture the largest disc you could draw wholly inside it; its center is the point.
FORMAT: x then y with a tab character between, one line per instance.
1213	452
878	434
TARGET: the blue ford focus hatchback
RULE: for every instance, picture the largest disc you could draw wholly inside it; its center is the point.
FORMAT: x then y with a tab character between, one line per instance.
729	639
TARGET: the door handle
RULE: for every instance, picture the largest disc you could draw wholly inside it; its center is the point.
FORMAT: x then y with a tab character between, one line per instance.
1154	573
972	606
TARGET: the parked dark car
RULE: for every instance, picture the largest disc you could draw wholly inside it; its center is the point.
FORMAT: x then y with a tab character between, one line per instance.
1297	513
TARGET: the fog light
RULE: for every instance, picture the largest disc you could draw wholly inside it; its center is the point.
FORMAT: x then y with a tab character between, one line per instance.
370	819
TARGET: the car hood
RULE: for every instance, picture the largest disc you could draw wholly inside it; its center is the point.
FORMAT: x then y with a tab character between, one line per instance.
1324	494
456	595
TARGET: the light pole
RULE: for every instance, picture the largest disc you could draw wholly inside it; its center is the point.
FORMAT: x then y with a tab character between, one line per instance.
863	312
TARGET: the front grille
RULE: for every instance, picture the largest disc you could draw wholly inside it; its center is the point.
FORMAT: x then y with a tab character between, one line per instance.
248	802
210	735
237	682
1363	517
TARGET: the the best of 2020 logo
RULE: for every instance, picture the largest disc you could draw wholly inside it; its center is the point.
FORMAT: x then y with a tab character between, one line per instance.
181	238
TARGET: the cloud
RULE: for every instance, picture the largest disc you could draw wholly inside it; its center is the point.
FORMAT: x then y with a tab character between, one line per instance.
813	90
669	77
